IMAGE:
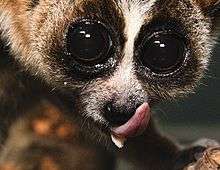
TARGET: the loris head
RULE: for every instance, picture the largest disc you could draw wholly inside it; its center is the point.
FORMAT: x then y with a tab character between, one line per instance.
118	56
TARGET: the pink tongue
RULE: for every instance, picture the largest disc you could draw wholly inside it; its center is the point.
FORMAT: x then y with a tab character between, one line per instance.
136	125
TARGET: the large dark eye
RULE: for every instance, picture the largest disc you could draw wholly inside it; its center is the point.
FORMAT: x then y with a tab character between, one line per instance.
163	52
89	42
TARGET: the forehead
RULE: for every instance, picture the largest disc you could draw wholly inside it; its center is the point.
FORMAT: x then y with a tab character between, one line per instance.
108	9
113	12
119	12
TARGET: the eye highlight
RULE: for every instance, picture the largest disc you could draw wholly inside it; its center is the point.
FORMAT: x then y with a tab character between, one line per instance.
89	42
163	52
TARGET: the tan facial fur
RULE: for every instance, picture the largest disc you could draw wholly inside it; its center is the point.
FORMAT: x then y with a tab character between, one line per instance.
37	34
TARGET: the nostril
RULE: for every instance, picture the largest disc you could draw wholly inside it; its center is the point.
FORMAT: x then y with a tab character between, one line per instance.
117	116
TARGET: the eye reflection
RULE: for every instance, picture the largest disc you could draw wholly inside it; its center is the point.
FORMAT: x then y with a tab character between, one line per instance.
89	42
163	52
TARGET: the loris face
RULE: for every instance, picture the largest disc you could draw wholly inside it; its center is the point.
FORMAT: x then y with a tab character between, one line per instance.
118	56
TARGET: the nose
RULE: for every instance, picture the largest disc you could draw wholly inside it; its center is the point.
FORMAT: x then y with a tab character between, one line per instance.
117	115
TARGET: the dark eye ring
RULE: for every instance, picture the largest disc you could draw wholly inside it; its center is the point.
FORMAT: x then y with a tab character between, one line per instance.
89	42
163	52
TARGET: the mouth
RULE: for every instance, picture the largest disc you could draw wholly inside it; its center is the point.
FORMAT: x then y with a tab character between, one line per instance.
135	126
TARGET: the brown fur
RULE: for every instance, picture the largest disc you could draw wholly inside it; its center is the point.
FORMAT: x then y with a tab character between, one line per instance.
207	3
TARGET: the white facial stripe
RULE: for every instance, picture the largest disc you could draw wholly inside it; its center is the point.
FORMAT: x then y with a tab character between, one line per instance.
134	13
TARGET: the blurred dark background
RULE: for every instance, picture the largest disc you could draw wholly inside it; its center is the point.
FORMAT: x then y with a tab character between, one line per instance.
197	116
